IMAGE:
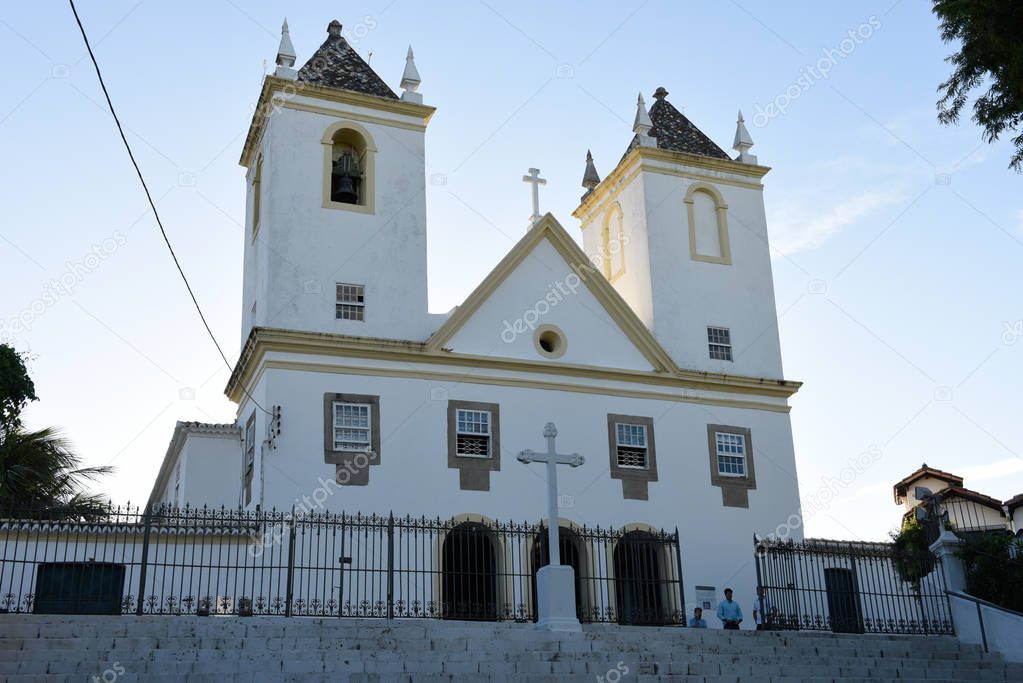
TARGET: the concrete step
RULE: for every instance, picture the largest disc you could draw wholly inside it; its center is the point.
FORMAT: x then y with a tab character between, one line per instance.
155	648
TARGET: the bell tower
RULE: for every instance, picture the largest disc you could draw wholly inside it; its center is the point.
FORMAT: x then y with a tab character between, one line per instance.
679	229
335	230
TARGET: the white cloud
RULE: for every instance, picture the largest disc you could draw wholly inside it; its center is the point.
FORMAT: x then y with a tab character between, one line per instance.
989	471
798	226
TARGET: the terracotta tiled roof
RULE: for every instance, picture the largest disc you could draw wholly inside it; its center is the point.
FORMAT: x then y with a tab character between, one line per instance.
924	471
1014	502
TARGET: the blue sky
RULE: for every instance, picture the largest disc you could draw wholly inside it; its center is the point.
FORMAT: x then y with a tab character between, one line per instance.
897	241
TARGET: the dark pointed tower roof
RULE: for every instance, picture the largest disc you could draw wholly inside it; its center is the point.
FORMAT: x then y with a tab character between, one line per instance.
337	65
675	132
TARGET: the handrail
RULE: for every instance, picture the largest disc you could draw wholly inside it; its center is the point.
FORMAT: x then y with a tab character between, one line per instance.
981	601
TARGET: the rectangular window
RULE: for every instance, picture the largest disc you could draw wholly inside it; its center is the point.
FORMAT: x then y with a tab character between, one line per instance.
630	445
472	433
250	456
731	454
353	427
351	302
719	340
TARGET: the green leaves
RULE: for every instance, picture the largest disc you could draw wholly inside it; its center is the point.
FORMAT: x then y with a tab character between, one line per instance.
16	387
990	52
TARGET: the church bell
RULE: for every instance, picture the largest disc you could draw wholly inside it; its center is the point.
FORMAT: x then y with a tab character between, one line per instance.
345	178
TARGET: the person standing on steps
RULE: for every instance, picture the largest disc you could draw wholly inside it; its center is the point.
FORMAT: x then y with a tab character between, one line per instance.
698	621
729	612
764	612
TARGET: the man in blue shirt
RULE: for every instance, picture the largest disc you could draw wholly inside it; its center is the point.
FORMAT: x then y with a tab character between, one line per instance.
698	621
729	612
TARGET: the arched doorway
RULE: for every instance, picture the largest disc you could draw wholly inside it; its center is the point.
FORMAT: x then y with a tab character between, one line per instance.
571	548
469	573
640	579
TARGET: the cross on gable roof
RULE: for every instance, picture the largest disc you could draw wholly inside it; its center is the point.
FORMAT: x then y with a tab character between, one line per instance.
337	65
673	131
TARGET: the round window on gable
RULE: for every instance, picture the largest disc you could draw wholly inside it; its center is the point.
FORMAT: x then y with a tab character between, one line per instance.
550	341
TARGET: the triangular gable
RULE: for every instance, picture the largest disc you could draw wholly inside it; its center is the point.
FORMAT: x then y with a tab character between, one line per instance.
613	330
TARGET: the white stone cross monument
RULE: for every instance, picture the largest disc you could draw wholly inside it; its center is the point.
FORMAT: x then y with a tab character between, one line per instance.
536	181
555	583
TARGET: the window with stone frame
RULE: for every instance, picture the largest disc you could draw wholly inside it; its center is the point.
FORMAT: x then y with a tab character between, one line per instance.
632	453
474	442
351	302
732	463
250	456
351	436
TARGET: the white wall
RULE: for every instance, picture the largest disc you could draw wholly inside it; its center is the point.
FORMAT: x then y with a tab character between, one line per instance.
1002	628
212	470
689	295
412	475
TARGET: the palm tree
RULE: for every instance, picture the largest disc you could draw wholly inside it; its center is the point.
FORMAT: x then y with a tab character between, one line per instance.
40	476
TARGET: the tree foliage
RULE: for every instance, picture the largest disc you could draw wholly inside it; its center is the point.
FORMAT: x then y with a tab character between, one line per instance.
16	387
988	33
39	473
912	557
994	568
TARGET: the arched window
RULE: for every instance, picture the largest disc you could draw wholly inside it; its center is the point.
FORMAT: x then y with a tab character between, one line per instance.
708	225
613	243
469	573
348	167
257	181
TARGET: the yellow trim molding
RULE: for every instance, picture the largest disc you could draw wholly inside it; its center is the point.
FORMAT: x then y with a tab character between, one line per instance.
520	382
264	340
721	214
368	170
277	92
632	164
615	210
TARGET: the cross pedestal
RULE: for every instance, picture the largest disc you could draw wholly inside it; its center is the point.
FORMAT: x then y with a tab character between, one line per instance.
555	583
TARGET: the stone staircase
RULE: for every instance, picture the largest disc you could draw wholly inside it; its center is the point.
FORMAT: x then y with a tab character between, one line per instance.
217	649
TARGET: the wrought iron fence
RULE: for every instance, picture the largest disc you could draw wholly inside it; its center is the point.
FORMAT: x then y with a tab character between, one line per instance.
221	561
849	587
964	516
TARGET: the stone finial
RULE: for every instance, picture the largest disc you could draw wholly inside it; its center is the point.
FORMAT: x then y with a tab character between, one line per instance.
590	177
286	56
410	80
743	142
334	29
660	93
643	125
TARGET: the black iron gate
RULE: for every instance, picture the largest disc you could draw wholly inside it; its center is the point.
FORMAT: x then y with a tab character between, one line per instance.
220	561
848	587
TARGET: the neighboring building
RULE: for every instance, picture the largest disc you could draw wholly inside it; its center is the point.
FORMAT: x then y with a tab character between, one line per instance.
1014	508
967	510
655	349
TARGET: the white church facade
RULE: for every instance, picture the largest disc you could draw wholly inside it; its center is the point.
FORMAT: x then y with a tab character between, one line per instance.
654	346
